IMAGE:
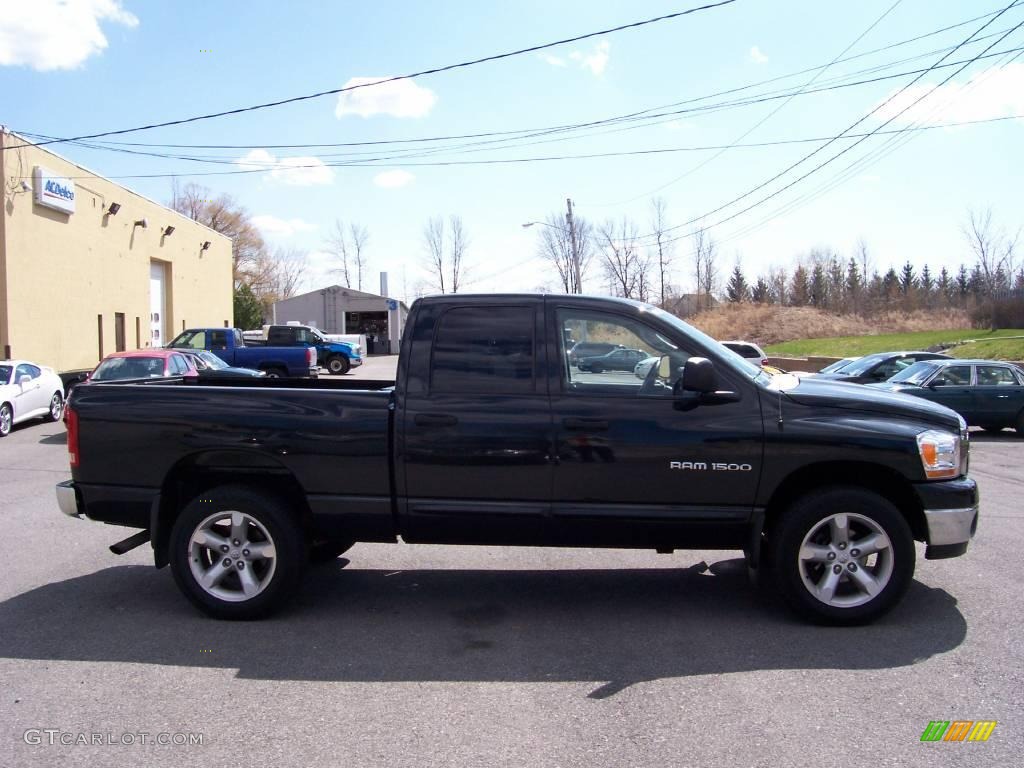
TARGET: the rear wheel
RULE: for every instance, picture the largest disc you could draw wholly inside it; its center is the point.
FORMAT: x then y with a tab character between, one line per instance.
1019	424
56	407
236	553
843	556
338	364
6	420
597	368
992	428
275	373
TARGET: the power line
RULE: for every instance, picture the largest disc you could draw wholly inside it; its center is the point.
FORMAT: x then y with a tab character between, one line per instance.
767	117
421	73
427	139
851	127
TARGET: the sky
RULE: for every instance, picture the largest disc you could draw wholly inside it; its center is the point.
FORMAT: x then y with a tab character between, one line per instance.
88	66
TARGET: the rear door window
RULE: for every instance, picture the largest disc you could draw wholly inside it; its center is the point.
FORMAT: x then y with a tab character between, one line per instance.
484	350
995	376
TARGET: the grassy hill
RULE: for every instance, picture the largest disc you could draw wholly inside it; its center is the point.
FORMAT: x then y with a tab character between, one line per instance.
989	345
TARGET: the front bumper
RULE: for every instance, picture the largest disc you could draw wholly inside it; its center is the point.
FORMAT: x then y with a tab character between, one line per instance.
950	514
355	361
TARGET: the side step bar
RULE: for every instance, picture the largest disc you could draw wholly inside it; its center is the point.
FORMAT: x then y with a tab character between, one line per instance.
133	541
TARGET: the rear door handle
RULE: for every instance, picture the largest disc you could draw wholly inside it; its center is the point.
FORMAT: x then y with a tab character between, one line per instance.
435	420
590	425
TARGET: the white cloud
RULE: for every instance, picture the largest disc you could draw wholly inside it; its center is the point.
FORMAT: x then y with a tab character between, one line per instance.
304	171
757	56
998	94
399	98
284	227
51	34
596	61
393	179
554	61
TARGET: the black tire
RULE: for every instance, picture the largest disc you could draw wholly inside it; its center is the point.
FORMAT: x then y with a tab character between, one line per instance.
992	429
328	551
59	408
1019	424
6	420
892	568
338	364
275	373
279	576
597	368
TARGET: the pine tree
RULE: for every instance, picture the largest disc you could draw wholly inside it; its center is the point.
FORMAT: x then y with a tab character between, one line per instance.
963	283
819	287
737	289
944	286
854	283
926	285
890	284
907	279
800	289
760	292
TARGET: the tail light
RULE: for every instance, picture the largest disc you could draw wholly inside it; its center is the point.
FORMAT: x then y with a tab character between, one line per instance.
311	356
71	422
764	361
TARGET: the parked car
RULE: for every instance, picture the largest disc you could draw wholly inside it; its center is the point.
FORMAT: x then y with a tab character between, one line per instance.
747	350
143	364
879	367
486	439
209	366
337	357
28	391
616	360
838	365
229	346
644	366
583	349
987	393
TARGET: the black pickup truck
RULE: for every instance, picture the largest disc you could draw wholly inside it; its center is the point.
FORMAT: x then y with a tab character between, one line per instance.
490	435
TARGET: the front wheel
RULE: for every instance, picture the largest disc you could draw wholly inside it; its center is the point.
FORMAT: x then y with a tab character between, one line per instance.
338	364
237	553
1019	424
56	407
6	420
843	556
275	373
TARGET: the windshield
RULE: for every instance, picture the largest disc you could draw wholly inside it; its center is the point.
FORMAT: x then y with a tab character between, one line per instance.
115	368
858	367
837	366
735	361
212	361
914	374
189	340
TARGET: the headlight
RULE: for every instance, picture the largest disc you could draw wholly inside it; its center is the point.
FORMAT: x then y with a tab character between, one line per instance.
940	453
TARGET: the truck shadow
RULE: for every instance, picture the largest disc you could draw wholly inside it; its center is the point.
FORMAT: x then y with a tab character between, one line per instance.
610	627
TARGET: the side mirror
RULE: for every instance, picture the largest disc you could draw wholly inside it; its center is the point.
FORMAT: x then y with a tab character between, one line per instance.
938	381
699	375
24	379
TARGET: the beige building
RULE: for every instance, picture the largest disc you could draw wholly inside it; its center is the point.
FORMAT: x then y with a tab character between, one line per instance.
88	267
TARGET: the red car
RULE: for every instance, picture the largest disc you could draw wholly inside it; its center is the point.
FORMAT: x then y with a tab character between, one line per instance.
143	364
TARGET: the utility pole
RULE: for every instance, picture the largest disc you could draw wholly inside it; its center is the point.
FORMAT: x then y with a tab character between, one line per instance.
578	276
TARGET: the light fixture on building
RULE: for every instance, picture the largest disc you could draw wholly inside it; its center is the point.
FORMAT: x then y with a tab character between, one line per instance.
168	231
113	208
141	223
205	246
25	186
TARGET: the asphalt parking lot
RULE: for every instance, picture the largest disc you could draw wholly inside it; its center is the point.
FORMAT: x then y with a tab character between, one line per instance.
448	656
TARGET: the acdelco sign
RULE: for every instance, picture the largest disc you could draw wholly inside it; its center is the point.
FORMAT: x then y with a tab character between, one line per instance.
53	191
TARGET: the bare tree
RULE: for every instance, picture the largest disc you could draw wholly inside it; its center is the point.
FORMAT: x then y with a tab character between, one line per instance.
623	261
225	215
459	244
994	251
433	241
705	270
863	256
348	245
555	247
276	276
659	227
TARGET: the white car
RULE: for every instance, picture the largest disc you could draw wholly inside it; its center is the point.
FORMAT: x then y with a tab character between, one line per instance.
28	391
644	366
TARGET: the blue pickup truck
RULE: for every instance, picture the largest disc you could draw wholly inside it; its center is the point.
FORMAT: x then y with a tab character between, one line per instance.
229	346
336	356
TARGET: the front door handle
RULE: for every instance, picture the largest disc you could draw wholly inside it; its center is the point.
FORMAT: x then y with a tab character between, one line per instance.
589	425
435	420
